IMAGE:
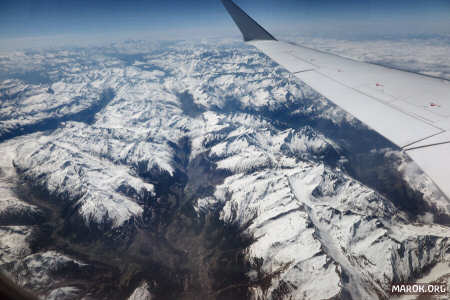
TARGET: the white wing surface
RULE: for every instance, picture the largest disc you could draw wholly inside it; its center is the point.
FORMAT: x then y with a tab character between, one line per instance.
409	109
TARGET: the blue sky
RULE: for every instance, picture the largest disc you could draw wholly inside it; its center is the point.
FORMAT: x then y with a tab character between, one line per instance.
177	19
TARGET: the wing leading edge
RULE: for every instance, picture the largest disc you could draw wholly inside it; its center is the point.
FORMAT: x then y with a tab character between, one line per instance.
410	110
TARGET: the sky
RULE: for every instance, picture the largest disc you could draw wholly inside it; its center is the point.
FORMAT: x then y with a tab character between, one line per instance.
51	20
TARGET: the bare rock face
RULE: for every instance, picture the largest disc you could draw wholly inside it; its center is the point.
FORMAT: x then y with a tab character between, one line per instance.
145	171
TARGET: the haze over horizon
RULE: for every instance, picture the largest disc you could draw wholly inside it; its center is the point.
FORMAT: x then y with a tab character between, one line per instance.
147	152
27	23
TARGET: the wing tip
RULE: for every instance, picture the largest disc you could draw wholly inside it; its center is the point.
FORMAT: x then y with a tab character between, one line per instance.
250	29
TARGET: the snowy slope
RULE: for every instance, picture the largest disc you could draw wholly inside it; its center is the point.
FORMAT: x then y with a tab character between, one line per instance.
107	133
311	222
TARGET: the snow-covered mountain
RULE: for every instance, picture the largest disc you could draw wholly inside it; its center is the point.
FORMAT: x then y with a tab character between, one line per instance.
186	170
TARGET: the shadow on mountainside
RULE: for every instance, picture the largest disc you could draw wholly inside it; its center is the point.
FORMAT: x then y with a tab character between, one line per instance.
86	116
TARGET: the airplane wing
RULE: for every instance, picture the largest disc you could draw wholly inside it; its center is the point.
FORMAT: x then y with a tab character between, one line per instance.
409	109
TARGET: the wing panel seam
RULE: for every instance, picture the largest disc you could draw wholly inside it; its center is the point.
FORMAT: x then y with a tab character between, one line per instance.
303	71
426	146
423	139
